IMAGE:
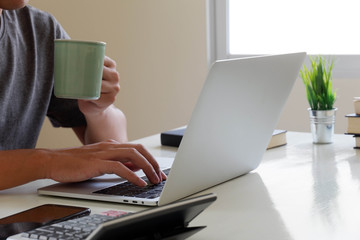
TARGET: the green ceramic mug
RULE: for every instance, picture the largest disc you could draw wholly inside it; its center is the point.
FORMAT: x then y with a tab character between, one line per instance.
78	68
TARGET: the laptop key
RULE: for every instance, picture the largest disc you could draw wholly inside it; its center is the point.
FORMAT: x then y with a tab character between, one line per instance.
130	190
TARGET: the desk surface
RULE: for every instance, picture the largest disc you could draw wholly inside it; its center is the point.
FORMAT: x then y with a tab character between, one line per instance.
299	191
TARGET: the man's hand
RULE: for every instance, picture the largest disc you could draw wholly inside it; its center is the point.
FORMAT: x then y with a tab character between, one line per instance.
78	164
110	87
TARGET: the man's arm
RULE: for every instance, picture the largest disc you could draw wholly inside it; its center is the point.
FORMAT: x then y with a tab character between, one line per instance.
111	124
104	120
78	164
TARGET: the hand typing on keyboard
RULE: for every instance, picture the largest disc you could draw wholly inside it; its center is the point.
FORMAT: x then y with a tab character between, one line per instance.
151	191
81	163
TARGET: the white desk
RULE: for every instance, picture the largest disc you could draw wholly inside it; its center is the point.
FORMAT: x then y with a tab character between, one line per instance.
300	191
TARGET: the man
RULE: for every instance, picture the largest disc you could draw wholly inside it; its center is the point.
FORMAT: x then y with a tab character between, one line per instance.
26	97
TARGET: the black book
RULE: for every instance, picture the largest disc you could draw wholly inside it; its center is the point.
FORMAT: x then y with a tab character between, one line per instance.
173	138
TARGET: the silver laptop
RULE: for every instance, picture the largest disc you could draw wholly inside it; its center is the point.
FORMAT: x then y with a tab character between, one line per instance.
229	130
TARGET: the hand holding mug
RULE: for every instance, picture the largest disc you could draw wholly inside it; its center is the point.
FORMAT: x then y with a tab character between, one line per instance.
109	89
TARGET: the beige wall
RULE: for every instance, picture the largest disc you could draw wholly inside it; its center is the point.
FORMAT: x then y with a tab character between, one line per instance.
160	49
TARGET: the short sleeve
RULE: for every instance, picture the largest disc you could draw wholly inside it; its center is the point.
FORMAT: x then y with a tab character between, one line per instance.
65	113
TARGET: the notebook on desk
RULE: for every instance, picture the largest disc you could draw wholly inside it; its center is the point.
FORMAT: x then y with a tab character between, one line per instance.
228	132
173	138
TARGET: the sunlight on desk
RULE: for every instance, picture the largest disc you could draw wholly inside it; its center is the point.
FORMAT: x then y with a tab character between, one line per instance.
300	191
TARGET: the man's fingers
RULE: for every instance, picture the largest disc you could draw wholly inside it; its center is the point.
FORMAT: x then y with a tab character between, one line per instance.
109	72
152	161
132	155
108	62
112	167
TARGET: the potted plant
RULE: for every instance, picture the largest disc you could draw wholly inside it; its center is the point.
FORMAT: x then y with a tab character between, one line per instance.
321	98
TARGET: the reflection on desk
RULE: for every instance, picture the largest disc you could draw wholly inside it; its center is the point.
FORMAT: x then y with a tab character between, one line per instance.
315	187
299	191
244	211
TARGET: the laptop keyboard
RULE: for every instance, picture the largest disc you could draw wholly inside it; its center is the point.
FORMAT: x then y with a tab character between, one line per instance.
128	189
74	229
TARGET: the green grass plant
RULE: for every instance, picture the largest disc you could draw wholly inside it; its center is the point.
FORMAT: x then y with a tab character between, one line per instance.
318	83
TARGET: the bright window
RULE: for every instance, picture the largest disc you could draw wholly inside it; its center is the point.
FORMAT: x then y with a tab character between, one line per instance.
256	27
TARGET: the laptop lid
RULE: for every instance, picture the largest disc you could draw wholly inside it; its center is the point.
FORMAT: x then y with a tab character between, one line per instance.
232	122
229	130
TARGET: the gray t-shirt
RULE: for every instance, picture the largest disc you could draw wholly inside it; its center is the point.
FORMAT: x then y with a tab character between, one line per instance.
26	78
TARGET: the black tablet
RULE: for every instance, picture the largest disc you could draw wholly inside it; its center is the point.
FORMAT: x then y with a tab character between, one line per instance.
165	222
